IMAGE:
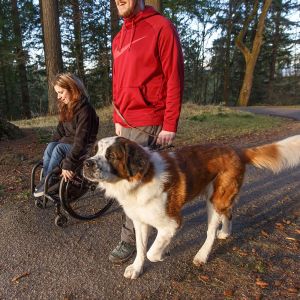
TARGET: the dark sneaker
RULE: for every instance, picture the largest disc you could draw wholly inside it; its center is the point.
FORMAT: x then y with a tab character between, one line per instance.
123	252
39	189
53	186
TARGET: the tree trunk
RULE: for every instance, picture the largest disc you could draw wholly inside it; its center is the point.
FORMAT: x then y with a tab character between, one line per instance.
247	84
114	19
21	60
251	56
9	131
157	4
78	42
106	60
275	45
229	25
52	46
7	98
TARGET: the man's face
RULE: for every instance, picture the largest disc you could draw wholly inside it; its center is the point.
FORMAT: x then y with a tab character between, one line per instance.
126	7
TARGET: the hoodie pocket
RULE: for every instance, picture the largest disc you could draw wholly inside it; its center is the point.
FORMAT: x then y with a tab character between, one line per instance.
132	98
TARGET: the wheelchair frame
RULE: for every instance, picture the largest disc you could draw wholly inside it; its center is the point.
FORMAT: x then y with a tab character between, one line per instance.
60	198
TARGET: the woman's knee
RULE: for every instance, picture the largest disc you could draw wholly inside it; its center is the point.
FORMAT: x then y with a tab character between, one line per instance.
61	150
49	149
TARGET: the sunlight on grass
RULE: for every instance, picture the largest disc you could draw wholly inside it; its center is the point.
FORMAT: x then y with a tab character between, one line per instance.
197	124
200	124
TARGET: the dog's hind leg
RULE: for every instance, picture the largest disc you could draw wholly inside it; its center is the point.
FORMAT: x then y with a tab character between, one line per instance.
226	187
214	219
134	270
162	241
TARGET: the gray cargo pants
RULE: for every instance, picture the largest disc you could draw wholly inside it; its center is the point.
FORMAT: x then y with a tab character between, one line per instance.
142	138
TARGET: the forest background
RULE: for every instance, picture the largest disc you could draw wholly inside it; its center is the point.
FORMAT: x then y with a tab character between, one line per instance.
41	38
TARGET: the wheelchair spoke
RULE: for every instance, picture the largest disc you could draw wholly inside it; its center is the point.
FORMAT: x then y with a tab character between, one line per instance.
82	200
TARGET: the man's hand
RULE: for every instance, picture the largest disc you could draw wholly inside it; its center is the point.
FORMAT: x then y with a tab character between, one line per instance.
165	138
67	174
118	129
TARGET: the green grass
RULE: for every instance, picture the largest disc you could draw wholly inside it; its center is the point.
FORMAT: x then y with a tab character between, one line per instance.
211	123
197	124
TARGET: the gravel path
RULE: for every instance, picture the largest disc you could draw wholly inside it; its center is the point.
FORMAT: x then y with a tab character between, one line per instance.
41	261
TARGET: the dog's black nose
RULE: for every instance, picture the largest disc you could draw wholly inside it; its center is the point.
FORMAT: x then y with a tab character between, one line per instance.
88	163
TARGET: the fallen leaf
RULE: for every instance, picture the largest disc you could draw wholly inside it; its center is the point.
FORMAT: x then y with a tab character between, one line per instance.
288	222
228	293
261	284
17	278
203	277
277	283
292	290
279	225
242	253
264	233
296	213
291	239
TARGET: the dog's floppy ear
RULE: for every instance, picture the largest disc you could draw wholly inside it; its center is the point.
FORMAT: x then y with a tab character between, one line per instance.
93	149
137	160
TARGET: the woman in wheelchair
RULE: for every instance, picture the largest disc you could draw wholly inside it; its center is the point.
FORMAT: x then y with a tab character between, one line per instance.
75	134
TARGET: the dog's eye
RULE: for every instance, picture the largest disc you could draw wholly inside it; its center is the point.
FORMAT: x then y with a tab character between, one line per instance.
110	156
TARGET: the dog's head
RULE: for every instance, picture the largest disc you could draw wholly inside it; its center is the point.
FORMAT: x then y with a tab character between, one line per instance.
116	158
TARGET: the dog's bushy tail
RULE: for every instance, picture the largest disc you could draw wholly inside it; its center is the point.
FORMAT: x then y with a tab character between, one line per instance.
277	156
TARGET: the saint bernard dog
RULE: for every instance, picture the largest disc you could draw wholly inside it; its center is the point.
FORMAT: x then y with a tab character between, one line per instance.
153	186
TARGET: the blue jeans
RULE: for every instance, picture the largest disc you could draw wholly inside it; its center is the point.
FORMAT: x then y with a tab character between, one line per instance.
53	155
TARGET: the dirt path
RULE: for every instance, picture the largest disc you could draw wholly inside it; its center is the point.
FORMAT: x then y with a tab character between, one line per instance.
40	261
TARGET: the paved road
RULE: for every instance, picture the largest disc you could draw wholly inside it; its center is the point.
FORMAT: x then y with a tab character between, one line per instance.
71	263
281	111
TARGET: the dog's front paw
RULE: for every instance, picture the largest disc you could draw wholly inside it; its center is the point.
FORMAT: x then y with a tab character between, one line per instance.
132	272
155	257
222	235
200	259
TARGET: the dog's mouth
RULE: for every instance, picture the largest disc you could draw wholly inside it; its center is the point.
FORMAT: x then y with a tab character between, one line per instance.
98	171
90	175
91	171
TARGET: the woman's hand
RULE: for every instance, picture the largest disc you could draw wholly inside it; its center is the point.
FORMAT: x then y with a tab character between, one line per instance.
67	174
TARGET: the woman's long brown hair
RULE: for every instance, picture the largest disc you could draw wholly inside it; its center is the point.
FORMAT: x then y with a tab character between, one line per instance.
75	87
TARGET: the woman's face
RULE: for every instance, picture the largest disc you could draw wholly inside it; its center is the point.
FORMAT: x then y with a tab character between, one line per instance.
62	94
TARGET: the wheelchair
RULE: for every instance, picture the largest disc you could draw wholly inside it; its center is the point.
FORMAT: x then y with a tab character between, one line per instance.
79	198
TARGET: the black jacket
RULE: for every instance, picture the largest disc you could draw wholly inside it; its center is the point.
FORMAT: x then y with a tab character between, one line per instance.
81	132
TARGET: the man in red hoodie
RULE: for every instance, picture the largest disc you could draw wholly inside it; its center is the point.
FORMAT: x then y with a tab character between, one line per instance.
147	87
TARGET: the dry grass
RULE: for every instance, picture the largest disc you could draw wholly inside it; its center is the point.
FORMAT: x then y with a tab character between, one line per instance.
197	124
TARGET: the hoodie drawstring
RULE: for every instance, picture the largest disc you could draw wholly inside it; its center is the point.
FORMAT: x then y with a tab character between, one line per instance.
123	34
132	34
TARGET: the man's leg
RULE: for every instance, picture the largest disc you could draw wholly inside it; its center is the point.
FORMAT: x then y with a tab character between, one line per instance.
126	248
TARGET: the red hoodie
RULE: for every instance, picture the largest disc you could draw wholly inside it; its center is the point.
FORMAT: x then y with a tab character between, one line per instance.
148	71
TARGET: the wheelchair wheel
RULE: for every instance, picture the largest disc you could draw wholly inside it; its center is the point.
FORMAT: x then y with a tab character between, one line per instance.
82	200
61	221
